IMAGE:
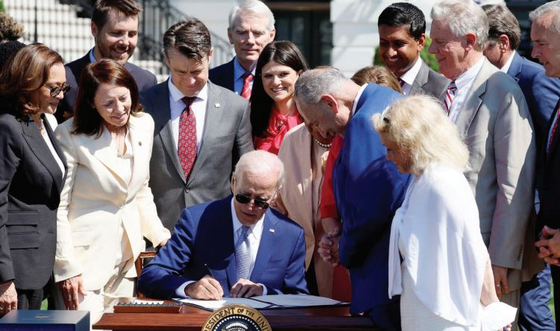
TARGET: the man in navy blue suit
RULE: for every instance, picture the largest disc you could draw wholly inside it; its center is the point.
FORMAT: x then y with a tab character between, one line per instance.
114	26
546	48
251	28
541	93
368	189
232	247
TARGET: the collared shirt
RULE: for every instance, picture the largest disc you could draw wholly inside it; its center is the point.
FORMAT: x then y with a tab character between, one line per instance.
355	104
410	76
238	79
177	106
91	56
255	234
506	66
464	84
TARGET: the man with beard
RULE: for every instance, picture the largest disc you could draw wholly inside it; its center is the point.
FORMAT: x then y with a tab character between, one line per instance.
114	26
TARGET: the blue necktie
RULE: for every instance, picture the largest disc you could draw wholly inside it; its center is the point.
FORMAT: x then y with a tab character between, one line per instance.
243	253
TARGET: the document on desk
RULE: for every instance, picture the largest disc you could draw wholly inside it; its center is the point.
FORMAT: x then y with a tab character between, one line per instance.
264	302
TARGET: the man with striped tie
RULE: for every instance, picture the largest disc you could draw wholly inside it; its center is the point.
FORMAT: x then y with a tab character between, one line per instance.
491	114
545	34
236	246
402	28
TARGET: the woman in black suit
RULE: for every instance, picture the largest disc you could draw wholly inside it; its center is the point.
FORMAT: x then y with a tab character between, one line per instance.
32	172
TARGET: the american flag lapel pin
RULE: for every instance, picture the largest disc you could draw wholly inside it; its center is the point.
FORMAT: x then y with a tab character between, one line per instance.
271	230
217	105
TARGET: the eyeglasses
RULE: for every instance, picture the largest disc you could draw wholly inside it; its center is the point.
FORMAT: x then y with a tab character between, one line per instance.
55	90
245	198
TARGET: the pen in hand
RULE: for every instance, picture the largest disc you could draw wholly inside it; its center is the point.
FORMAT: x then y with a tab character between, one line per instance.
209	270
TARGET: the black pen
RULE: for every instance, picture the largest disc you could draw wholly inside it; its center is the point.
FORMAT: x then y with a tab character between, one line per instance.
209	270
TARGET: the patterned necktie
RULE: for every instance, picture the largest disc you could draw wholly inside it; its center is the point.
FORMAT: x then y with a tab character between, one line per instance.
554	127
247	79
187	137
449	95
402	82
243	253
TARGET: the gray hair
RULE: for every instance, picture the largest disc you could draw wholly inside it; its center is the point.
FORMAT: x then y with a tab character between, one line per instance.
312	84
419	127
255	7
549	7
463	17
261	163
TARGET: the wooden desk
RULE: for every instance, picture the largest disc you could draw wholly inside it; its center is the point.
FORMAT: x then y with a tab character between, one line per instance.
191	319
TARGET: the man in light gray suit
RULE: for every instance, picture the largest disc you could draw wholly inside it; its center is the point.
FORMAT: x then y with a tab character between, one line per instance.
402	28
201	129
492	115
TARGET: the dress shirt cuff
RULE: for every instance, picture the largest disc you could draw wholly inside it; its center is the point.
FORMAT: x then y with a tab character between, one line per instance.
180	291
265	290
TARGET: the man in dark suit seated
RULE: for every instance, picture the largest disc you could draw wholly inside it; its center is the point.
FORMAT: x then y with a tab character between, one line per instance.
402	36
201	129
114	26
251	28
232	247
541	93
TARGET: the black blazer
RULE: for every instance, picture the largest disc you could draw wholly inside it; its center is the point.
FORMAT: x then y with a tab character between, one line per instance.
30	186
144	79
223	76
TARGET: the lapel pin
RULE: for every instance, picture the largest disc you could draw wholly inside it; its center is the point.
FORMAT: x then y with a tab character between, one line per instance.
271	230
139	143
217	105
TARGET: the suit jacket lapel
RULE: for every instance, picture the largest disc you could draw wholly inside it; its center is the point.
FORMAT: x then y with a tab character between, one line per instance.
474	98
552	147
515	67
162	120
59	152
211	128
43	153
266	246
420	80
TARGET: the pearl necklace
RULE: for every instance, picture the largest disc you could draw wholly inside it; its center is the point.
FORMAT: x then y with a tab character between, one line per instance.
325	146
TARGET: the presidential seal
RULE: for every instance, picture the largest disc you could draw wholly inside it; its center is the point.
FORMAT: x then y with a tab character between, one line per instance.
236	318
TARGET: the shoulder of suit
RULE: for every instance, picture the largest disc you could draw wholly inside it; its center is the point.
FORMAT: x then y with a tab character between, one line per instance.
216	71
137	71
9	122
142	119
284	220
223	92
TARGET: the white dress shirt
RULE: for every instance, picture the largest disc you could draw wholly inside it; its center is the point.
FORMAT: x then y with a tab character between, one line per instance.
409	76
177	106
464	84
506	66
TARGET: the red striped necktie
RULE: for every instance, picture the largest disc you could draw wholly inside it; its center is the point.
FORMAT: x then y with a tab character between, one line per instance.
247	79
449	95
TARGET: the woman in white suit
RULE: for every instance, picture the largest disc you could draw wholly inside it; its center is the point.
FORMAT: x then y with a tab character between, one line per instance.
106	205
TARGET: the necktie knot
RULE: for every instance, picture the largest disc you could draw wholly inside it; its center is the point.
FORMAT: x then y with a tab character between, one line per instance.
188	101
247	77
449	95
401	82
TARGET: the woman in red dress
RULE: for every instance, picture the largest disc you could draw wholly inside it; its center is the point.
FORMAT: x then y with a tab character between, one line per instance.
273	108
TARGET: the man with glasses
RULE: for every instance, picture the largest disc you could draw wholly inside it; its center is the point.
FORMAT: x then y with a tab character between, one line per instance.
236	246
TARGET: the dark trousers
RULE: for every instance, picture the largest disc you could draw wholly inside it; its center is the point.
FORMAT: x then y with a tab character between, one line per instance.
387	317
534	314
29	299
556	279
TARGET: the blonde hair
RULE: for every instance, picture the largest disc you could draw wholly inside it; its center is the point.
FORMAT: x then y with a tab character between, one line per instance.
418	125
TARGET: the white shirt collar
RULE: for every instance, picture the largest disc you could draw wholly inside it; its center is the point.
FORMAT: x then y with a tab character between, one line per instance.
177	95
467	78
355	104
411	74
506	66
256	229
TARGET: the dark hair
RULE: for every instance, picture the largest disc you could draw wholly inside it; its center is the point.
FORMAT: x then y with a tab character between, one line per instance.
8	49
190	37
379	75
282	52
404	14
502	21
102	9
86	118
23	74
